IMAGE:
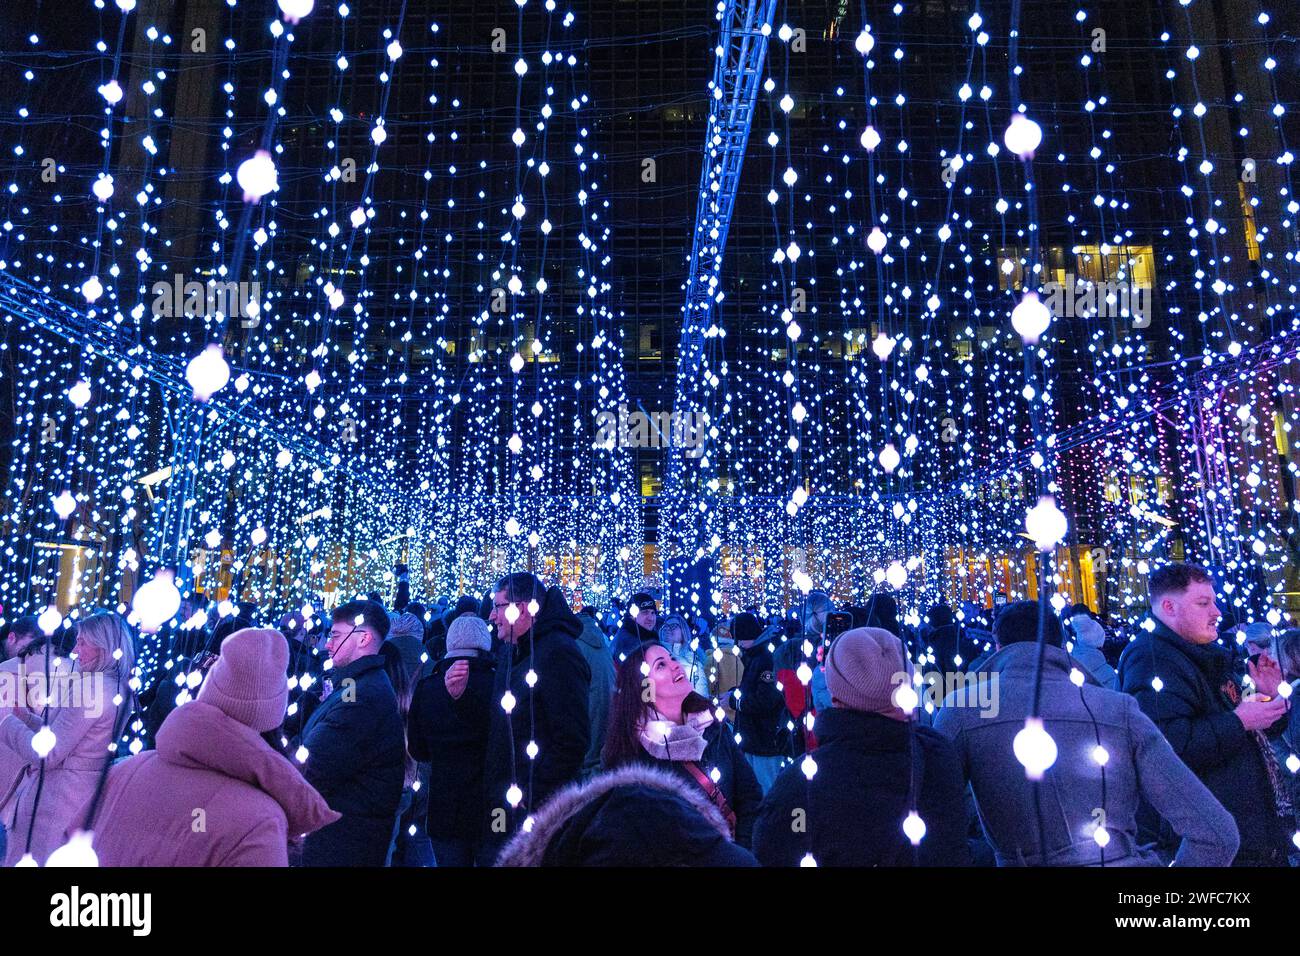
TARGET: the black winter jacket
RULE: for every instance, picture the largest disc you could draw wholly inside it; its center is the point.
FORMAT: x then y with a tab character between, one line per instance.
451	736
552	713
761	716
356	760
1194	710
854	807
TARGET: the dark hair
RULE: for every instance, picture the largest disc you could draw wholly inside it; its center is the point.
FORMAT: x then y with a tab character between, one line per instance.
1175	579
1018	623
1287	650
627	710
26	626
372	615
403	688
589	611
521	587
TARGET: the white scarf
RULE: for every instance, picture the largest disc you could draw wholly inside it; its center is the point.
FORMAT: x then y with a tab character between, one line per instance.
666	740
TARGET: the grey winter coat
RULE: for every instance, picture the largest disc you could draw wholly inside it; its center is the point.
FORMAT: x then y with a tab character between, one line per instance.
1139	764
596	652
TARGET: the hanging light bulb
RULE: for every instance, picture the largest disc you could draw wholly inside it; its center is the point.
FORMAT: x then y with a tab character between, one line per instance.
876	240
870	139
1023	136
207	372
889	459
103	187
914	828
1031	318
49	620
111	92
79	394
156	602
78	851
64	505
43	741
896	574
257	176
1045	523
1034	748
92	288
295	10
865	42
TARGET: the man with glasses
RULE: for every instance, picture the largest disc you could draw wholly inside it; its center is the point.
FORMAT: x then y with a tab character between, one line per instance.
539	729
355	744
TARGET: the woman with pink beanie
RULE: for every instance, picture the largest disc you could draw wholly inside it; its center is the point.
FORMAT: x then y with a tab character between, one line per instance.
214	793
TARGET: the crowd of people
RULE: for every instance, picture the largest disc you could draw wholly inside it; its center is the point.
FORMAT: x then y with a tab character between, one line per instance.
513	731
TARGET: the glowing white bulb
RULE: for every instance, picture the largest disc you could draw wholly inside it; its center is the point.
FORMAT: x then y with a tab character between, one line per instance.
514	795
889	459
914	828
207	372
896	575
65	504
1031	317
103	187
521	66
295	10
516	363
905	698
1101	836
508	699
258	536
808	766
92	288
1023	136
870	139
876	240
1293	763
111	92
865	42
49	620
78	852
882	345
809	861
394	50
43	742
257	176
156	602
1045	523
1034	748
1101	755
301	754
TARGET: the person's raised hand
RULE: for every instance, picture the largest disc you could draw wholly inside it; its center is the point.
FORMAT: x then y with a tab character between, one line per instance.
1266	674
1256	714
457	679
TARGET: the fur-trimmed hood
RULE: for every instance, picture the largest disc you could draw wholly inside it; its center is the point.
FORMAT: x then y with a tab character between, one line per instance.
637	815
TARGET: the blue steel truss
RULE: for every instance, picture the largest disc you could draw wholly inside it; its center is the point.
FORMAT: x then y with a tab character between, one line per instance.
741	53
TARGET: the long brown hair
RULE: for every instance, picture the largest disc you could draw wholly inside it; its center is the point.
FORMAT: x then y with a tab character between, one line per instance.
627	710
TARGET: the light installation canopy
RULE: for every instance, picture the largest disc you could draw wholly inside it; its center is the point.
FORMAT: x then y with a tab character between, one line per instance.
408	279
432	321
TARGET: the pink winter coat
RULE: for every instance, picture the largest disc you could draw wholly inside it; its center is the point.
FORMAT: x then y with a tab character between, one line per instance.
214	793
72	769
20	678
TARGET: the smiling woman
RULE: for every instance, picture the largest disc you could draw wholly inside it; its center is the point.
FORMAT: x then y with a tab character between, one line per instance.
657	718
